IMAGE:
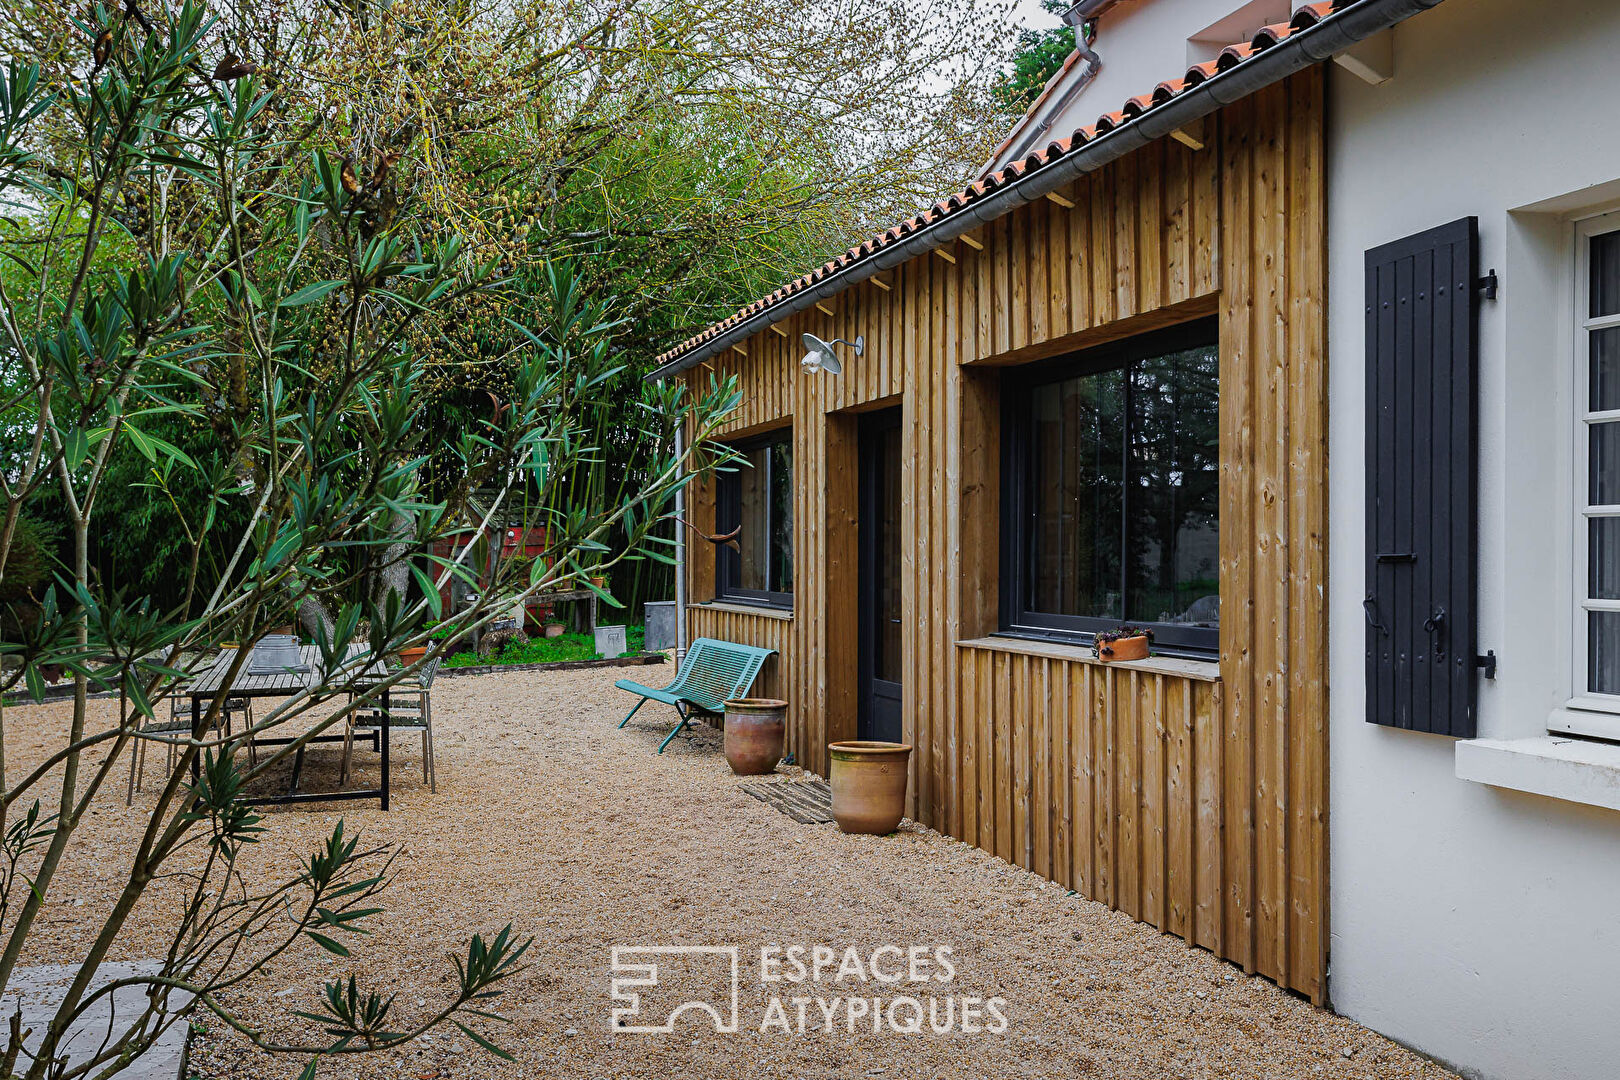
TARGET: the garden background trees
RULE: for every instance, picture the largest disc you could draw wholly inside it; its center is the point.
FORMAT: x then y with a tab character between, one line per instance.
291	294
684	157
253	325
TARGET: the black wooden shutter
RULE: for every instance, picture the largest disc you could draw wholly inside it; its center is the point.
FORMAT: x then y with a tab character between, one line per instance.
1422	321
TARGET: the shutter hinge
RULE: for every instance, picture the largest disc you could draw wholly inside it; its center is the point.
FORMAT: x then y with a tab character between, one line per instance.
1487	663
1487	284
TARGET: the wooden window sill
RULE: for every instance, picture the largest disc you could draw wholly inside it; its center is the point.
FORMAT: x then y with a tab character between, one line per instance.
761	610
1201	670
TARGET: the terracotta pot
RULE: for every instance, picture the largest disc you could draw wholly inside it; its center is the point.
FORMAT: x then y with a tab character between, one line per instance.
554	629
868	785
1126	648
755	730
600	581
407	657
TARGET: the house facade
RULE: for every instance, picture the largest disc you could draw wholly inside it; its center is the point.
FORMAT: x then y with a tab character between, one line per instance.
1226	362
1476	881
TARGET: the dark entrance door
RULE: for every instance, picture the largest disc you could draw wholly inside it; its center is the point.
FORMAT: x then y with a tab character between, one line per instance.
880	639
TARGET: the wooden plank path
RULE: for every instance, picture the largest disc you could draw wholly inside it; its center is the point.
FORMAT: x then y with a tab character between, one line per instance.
808	801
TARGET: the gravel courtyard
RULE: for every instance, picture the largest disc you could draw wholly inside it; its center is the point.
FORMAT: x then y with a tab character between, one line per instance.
580	835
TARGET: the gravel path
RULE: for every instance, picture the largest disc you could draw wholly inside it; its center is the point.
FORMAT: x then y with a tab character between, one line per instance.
580	835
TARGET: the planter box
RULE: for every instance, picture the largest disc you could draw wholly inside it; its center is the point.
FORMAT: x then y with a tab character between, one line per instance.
612	640
661	616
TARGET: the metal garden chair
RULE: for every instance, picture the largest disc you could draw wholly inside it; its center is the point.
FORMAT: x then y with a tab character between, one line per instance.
179	723
410	706
712	674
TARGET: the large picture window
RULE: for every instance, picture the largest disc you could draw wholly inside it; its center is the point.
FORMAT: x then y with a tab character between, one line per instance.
1111	490
757	500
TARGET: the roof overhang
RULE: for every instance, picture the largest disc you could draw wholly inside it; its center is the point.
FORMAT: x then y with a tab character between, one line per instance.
1047	171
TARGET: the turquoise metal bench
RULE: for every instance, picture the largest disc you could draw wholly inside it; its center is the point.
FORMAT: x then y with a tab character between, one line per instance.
713	673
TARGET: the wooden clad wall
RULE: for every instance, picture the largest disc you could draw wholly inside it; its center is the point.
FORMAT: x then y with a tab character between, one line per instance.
1192	796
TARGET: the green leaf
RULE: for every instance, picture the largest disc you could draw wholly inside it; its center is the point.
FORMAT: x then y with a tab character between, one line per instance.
311	293
308	1072
430	592
328	944
485	1043
141	441
75	446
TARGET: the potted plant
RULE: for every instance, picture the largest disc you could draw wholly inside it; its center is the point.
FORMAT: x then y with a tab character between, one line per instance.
539	614
412	655
755	731
599	578
1125	643
868	785
554	628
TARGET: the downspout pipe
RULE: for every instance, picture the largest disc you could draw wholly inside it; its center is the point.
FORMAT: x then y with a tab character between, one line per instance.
1076	18
1301	50
680	553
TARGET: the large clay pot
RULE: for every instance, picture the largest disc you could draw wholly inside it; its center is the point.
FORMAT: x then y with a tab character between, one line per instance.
869	785
755	728
409	656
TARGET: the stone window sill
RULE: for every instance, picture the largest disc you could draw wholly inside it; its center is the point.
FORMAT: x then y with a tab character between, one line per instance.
1575	770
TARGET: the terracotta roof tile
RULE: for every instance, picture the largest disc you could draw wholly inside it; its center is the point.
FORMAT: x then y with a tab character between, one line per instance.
1230	57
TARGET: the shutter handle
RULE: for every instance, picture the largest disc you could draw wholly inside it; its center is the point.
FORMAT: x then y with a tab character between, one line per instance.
1371	608
1436	626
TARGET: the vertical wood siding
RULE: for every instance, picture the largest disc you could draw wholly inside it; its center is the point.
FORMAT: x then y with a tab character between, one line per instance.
1197	804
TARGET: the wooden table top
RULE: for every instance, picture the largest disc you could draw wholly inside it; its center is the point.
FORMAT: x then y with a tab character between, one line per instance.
276	684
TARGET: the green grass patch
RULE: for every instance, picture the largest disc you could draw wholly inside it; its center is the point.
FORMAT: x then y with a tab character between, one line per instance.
544	650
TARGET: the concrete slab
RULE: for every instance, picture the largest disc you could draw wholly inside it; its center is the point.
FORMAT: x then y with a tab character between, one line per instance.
40	989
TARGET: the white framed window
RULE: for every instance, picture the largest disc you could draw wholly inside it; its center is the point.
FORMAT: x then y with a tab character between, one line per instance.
1595	690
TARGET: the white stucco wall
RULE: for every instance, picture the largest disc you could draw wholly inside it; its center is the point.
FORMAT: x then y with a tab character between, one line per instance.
1144	42
1479	925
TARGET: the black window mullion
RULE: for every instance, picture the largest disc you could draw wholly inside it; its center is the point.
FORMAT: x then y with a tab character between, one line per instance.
770	516
1129	438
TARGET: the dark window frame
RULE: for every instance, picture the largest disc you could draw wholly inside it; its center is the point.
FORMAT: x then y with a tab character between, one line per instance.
728	515
1018	388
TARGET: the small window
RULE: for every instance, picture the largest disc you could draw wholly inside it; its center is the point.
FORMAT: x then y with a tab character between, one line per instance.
1597	495
757	500
1111	492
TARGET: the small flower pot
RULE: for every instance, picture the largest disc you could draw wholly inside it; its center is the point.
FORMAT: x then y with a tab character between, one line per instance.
1125	648
755	730
536	615
868	785
554	629
600	581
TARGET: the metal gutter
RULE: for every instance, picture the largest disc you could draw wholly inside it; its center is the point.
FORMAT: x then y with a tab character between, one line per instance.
1298	51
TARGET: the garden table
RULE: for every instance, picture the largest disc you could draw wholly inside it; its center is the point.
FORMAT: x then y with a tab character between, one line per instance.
572	594
283	684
